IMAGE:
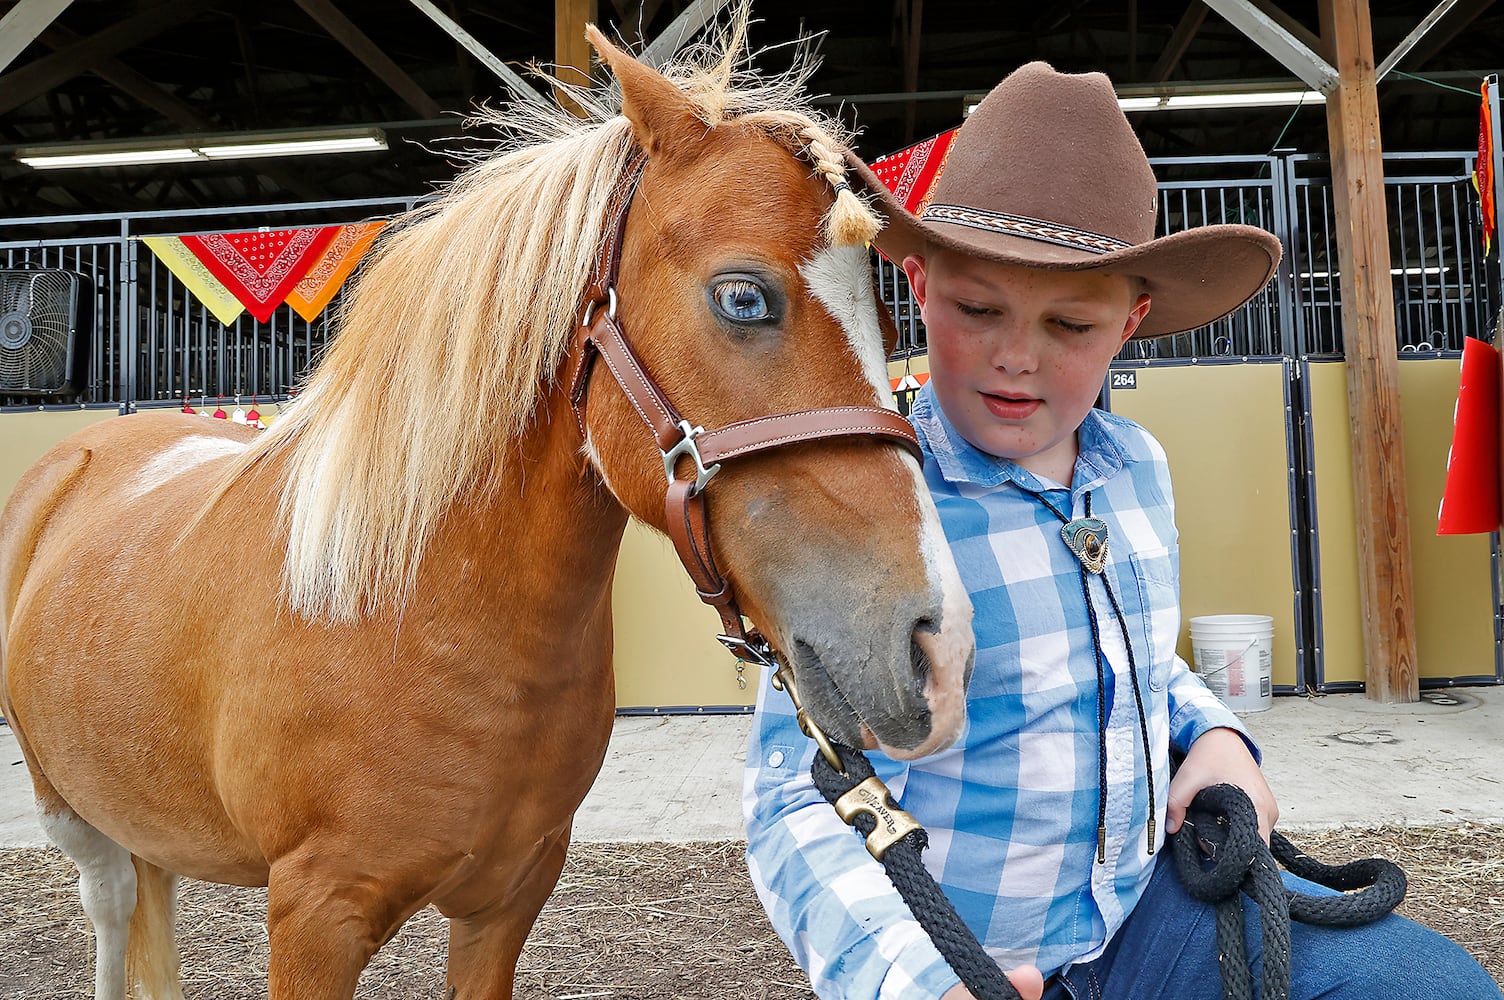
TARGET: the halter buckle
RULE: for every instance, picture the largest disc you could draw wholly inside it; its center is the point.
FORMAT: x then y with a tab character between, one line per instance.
754	650
687	446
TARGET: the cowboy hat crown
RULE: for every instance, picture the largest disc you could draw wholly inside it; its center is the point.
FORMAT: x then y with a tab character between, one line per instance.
1047	172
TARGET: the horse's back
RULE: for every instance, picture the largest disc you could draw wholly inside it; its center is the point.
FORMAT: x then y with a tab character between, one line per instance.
96	479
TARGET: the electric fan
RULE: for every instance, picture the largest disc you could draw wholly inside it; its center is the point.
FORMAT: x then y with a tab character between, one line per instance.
43	317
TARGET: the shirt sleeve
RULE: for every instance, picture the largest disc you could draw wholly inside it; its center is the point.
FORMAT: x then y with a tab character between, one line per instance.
1194	710
828	899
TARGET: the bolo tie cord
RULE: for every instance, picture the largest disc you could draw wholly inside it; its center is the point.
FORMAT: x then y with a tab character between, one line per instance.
1138	698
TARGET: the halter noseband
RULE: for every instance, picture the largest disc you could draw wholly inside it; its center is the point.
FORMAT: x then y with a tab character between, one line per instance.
599	334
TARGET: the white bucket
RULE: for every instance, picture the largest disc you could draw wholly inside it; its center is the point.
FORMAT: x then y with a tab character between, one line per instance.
1234	654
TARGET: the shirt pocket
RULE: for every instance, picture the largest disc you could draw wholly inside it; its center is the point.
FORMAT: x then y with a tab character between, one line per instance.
1154	571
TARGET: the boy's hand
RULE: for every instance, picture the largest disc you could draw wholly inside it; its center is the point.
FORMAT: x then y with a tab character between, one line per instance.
1026	979
1220	757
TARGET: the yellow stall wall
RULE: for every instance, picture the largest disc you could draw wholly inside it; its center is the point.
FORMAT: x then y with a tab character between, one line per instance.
1223	428
1453	586
666	651
26	436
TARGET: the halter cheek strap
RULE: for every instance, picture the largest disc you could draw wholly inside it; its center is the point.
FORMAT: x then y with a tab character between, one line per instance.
599	337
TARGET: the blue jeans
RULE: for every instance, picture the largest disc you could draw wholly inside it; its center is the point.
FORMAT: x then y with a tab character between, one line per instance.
1168	949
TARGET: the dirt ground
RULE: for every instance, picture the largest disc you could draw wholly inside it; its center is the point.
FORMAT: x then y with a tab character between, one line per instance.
632	922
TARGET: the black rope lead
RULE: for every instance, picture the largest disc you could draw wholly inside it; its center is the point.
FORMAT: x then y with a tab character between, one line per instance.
1219	853
953	939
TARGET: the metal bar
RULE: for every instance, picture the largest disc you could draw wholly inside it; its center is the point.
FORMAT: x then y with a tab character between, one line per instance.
23	23
684	27
519	87
1498	158
1277	40
1409	41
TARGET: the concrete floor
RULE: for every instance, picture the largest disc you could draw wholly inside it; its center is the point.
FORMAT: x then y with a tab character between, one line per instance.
1338	760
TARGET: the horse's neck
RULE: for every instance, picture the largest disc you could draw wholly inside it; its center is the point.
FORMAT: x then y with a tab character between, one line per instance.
546	531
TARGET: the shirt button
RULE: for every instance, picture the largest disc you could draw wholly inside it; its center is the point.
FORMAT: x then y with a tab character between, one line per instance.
775	759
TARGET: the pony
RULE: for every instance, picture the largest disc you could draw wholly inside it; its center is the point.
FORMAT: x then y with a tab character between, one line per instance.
415	717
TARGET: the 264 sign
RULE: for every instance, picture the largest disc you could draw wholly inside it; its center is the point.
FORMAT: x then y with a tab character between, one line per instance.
1123	380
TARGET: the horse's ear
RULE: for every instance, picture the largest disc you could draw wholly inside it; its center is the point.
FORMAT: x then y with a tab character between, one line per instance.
660	113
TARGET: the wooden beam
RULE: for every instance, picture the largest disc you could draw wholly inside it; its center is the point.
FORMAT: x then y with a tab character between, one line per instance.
23	23
571	48
1277	35
181	113
1369	343
359	44
1180	41
128	81
42	75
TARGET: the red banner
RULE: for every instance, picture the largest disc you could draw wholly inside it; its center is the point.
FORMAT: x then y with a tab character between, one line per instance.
1483	170
911	173
260	268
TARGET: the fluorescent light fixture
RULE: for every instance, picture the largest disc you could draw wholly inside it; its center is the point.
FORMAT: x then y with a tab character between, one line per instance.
65	161
1255	100
296	147
183	149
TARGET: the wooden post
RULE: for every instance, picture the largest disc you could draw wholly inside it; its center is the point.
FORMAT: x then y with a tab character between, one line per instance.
1369	342
571	50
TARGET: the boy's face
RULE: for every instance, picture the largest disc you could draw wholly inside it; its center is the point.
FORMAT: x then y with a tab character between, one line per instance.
1018	354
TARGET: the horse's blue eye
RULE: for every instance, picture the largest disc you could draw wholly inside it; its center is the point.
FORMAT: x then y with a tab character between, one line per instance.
741	301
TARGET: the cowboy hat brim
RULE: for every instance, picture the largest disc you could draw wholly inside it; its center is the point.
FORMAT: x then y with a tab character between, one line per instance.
1194	277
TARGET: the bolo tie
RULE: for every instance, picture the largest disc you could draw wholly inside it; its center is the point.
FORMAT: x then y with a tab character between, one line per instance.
1087	539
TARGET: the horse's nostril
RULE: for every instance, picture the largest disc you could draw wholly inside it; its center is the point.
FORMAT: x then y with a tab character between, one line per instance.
921	663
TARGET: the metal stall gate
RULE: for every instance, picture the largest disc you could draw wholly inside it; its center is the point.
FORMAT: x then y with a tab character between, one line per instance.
1252	411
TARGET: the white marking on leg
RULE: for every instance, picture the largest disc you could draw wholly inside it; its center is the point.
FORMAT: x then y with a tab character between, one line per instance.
183	456
107	888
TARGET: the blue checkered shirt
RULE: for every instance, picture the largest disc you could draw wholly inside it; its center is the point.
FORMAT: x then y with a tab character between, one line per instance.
1012	808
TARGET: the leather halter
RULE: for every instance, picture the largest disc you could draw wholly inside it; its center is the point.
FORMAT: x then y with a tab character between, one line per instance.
599	335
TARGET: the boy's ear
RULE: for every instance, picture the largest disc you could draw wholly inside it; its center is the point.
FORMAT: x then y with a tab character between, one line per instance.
1135	317
661	114
913	266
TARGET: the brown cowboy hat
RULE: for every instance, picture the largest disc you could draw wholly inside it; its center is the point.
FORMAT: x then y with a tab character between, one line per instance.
1047	173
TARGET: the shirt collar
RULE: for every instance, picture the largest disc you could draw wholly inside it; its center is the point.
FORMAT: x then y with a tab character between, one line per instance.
1100	455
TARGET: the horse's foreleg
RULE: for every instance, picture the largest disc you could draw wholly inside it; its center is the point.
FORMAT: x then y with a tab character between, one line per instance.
106	885
484	946
323	925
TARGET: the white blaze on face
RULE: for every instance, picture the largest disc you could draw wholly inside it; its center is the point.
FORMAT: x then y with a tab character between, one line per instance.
840	279
181	457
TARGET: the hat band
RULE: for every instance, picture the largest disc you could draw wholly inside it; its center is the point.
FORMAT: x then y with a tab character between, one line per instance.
1022	225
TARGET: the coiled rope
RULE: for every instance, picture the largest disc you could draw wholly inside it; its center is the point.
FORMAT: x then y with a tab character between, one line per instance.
1218	854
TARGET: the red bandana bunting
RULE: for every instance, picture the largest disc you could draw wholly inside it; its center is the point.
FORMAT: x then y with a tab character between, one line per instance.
327	275
260	268
911	173
1483	170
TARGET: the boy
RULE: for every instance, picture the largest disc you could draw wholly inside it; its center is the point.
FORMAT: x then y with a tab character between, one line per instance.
1034	263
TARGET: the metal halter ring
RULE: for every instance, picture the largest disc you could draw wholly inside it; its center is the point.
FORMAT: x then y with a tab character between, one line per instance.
610	306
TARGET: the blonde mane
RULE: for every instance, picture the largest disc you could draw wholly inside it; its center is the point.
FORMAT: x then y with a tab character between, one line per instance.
459	322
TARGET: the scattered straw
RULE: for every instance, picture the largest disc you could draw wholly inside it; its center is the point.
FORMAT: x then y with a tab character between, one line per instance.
634	922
